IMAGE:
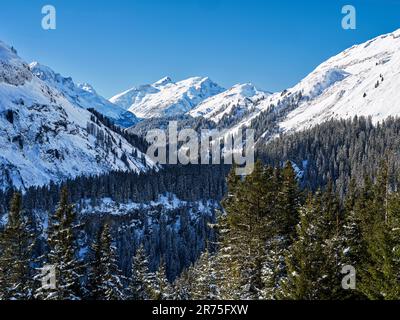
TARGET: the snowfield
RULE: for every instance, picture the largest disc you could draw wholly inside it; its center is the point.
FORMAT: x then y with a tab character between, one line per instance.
239	99
44	137
166	98
83	95
363	80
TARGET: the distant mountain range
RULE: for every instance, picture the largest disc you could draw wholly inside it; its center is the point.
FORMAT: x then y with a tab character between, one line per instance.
166	98
362	80
47	134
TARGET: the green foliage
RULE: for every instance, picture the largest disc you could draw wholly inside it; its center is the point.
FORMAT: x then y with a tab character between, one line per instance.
16	243
63	253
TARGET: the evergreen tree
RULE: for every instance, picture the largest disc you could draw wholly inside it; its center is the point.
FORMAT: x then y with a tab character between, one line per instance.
380	274
142	280
161	288
182	286
229	278
16	244
312	261
282	232
63	253
95	270
246	209
111	287
204	274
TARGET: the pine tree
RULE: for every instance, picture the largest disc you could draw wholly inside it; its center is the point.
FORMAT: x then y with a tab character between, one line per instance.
380	274
289	201
182	287
204	275
16	244
282	231
354	247
161	288
142	280
300	258
95	270
111	287
247	208
63	253
312	260
229	278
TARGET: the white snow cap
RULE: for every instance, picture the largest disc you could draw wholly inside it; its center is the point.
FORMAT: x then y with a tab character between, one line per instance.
167	98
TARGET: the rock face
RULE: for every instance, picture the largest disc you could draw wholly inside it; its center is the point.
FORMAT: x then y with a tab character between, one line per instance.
83	95
45	137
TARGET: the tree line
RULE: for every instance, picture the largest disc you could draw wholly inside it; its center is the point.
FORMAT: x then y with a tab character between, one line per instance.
274	241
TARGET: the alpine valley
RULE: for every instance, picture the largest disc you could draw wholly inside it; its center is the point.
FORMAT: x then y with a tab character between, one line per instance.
78	191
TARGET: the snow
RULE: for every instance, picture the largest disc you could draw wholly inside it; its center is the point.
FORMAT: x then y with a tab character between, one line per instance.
83	95
240	98
46	139
168	202
340	88
167	98
336	88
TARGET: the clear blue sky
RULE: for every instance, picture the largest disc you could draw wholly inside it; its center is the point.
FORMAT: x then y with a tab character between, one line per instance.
115	45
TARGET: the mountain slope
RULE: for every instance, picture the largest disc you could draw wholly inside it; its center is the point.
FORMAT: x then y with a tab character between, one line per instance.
83	95
44	137
233	102
361	81
166	98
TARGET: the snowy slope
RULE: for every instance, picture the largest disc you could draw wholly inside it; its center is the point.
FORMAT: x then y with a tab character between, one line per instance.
363	80
83	95
233	102
167	98
43	136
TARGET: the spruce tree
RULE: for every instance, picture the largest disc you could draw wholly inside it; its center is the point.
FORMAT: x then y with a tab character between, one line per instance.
312	261
142	280
161	288
380	273
205	285
16	244
63	253
281	231
111	287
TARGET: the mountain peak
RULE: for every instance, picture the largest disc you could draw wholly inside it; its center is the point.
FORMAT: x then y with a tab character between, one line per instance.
167	98
233	102
83	95
87	87
163	82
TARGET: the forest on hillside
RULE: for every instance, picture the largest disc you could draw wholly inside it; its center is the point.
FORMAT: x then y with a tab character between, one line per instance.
320	203
273	241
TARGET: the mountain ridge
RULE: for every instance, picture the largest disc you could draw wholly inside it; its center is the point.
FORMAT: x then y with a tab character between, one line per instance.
83	95
44	137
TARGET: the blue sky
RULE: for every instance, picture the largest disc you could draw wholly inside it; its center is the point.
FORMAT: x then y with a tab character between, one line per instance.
115	45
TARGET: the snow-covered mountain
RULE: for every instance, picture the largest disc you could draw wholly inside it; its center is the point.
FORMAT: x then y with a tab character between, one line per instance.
363	80
166	98
235	102
44	136
83	95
